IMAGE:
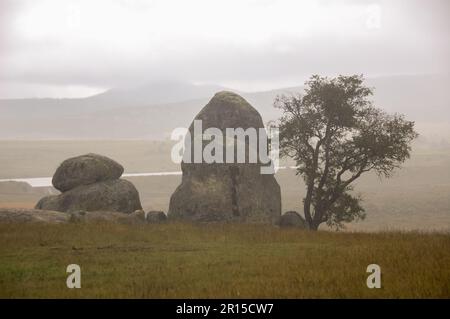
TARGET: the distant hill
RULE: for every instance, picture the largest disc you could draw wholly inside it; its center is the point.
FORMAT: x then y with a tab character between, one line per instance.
154	93
154	110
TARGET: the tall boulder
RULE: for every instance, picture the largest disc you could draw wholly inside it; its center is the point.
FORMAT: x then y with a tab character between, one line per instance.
226	191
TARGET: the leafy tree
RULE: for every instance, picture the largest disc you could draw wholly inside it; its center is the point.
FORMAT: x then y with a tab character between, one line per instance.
335	134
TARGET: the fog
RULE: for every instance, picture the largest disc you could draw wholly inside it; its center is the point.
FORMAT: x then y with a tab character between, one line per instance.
53	48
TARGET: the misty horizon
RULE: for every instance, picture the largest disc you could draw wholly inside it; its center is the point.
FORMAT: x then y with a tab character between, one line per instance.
83	48
219	87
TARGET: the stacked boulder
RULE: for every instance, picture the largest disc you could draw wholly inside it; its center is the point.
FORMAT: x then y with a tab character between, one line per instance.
91	182
237	192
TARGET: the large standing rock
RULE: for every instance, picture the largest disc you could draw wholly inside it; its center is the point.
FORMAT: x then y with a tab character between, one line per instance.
85	170
223	191
116	195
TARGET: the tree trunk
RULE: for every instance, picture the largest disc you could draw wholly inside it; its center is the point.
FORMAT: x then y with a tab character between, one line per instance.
318	216
307	205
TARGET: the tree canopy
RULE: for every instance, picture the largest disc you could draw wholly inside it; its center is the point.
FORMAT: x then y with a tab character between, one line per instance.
335	134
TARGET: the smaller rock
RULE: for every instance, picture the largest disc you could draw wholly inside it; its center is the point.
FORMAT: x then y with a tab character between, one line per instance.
22	215
292	219
138	216
155	217
85	170
110	217
77	216
139	213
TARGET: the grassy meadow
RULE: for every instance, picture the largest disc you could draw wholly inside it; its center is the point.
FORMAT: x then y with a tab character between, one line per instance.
227	260
218	260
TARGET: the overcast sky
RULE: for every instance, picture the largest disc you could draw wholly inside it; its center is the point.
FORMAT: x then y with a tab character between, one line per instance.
61	48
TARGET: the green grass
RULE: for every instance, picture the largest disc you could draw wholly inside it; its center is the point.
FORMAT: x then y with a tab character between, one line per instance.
219	260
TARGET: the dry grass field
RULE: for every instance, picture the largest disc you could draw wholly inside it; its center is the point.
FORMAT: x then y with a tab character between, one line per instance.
226	260
218	260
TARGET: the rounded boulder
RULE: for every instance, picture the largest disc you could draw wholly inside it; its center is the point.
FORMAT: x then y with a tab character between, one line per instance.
292	219
85	170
